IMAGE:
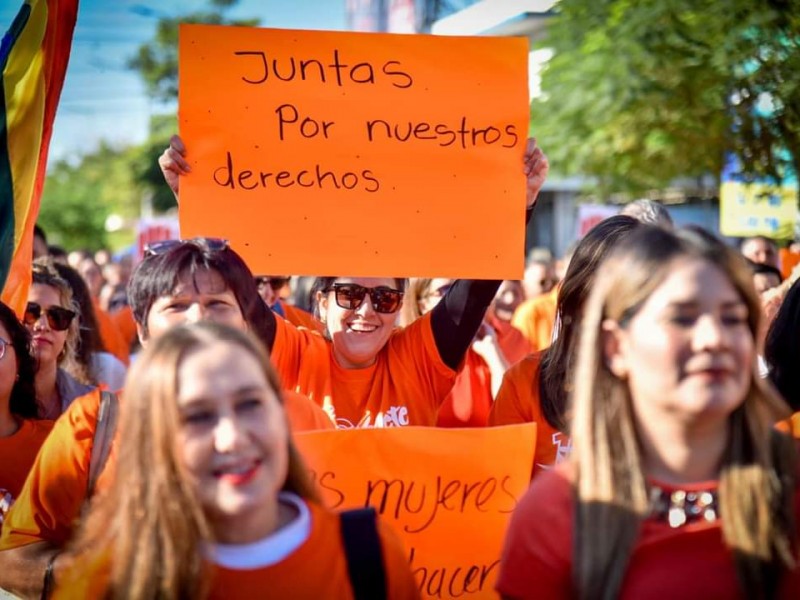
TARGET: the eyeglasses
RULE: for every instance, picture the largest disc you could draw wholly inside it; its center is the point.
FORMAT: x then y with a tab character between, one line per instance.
351	295
3	344
275	282
212	245
58	318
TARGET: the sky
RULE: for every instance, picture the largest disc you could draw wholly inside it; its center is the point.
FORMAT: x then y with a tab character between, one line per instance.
102	98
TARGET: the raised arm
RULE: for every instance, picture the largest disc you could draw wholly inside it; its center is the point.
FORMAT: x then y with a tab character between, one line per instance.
455	320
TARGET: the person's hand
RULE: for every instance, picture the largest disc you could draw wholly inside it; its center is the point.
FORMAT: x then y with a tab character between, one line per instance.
173	163
535	168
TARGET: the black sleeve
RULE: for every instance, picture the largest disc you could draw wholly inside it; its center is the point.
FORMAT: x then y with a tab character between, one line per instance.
456	319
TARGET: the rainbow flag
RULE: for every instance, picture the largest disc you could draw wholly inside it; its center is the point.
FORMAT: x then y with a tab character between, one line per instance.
33	61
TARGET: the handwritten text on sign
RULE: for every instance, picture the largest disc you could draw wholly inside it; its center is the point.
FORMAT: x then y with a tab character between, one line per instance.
318	151
449	493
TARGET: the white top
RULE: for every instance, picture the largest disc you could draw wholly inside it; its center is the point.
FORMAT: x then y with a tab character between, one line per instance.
272	549
108	370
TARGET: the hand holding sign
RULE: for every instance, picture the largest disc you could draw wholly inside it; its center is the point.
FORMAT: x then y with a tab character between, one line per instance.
353	142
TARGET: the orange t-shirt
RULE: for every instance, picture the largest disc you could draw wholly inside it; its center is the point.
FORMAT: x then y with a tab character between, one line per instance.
518	402
468	403
405	386
56	488
317	569
791	425
301	318
109	333
536	317
126	325
689	562
19	452
789	260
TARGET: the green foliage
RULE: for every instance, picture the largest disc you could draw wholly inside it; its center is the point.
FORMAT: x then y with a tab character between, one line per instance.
77	199
157	60
640	92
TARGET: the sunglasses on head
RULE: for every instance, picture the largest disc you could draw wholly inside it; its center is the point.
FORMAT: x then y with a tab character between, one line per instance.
351	295
58	318
207	244
275	282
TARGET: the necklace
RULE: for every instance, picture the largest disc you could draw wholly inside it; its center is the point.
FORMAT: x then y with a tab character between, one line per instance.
679	507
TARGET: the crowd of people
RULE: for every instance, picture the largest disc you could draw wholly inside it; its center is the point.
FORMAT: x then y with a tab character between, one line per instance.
147	415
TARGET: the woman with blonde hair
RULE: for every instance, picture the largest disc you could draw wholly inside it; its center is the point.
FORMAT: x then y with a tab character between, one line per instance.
678	485
53	320
211	498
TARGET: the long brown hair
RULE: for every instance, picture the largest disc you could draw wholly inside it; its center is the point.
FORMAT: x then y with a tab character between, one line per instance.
150	524
557	361
757	472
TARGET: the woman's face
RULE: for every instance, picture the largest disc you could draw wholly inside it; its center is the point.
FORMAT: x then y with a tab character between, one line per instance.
357	334
47	342
203	296
688	353
233	437
8	367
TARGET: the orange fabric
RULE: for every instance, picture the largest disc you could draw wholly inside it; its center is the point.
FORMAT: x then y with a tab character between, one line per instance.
55	491
317	569
112	338
126	325
536	317
301	318
19	451
790	425
789	260
468	403
688	562
303	414
518	402
406	385
513	343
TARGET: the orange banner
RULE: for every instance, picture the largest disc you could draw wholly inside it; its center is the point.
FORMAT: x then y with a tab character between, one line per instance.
356	154
448	493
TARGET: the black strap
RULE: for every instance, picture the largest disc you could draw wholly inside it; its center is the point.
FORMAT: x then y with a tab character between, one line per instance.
104	433
362	546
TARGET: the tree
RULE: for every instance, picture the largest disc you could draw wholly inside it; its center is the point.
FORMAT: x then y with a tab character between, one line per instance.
77	199
640	92
157	63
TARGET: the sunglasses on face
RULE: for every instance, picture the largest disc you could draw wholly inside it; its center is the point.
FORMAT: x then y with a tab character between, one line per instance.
211	245
58	318
351	295
275	282
3	344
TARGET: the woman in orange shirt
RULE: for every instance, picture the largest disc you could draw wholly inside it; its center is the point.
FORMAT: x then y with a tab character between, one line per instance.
211	498
536	388
678	485
21	434
366	372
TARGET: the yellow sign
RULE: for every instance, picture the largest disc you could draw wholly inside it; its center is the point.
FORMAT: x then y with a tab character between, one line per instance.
747	209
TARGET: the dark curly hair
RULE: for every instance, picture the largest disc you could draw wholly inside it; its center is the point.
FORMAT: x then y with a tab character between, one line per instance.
23	395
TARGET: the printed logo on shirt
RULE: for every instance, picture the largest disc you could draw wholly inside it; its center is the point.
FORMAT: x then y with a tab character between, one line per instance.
563	444
395	416
6	500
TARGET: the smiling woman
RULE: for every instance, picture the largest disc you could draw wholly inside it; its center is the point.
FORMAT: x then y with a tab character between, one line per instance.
678	485
215	500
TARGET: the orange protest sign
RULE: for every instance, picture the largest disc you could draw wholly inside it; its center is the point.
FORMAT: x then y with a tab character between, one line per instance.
330	153
449	493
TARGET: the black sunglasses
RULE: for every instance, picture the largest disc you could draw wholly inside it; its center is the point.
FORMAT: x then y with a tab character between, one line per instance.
275	282
351	295
211	245
58	318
